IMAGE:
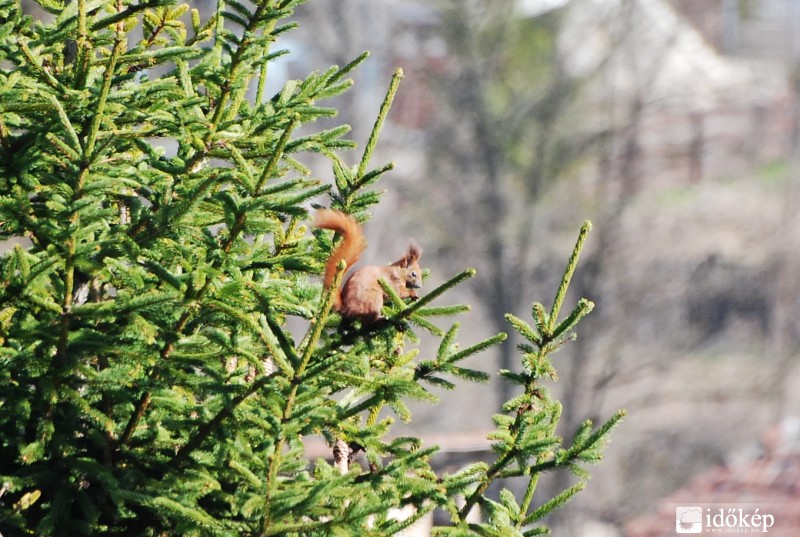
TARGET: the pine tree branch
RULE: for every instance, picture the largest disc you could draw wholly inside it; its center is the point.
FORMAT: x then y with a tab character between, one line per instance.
205	430
553	503
277	152
530	489
275	459
72	136
139	410
108	76
146	398
486	480
262	79
270	27
513	450
84	47
376	129
565	281
191	298
51	80
223	112
435	293
267	336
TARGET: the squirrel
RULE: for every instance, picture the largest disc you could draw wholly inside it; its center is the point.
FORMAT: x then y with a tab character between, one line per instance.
362	297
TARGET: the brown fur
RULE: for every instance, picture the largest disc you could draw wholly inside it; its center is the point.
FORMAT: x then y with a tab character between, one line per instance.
362	297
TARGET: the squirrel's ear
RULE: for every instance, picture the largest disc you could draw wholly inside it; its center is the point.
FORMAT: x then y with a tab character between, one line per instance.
414	252
412	256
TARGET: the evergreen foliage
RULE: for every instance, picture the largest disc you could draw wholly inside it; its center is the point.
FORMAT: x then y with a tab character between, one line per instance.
149	384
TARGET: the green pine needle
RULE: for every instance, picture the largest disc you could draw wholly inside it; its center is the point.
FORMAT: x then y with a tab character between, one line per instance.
440	290
554	503
567	278
376	129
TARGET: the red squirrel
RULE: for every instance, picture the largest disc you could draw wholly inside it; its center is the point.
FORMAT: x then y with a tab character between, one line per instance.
361	297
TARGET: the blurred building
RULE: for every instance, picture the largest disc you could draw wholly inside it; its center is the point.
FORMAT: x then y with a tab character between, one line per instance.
693	89
685	110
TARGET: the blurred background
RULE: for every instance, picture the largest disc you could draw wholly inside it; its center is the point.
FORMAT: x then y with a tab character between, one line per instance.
673	125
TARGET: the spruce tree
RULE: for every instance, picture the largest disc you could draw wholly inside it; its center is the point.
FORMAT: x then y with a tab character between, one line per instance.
149	381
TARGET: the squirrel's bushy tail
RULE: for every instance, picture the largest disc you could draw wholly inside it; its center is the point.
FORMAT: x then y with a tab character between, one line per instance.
351	247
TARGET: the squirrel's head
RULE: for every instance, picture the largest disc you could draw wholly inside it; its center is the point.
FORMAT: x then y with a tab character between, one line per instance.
410	263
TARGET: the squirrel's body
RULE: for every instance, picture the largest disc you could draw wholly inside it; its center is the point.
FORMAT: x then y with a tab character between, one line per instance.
362	296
